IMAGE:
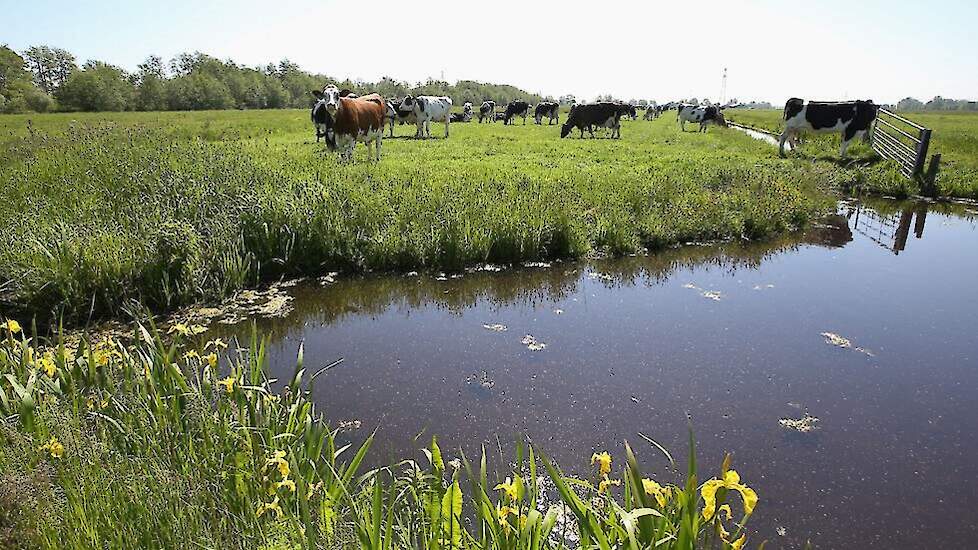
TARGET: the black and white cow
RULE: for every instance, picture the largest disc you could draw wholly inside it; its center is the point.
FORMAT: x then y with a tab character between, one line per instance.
703	114
852	118
653	112
548	109
465	115
397	116
487	111
515	109
427	108
587	116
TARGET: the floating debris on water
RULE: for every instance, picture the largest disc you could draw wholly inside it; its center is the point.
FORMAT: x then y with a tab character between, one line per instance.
276	306
762	287
634	399
805	424
781	531
482	380
558	311
536	264
348	425
602	276
532	343
411	274
844	343
441	277
714	295
496	327
493	268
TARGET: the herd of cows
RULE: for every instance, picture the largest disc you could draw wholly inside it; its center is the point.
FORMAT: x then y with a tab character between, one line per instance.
343	118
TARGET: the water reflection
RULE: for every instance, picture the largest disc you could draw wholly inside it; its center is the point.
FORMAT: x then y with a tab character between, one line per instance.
634	349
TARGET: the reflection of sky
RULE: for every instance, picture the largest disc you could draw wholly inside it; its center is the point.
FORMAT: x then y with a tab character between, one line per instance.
635	356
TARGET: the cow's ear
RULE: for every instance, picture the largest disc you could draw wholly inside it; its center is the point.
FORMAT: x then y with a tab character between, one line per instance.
318	94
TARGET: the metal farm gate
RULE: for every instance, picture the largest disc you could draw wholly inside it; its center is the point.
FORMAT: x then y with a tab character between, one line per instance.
907	143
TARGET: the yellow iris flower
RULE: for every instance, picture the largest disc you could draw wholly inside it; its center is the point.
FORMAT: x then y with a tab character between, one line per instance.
504	512
510	488
730	481
211	360
653	489
278	460
12	326
603	460
272	506
607	483
47	365
54	447
287	483
228	384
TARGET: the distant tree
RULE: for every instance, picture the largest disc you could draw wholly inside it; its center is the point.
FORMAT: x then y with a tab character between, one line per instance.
910	104
97	87
50	67
196	91
17	91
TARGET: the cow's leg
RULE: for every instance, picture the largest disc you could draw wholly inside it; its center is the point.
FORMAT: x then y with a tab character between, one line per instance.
784	137
380	138
844	148
447	120
682	125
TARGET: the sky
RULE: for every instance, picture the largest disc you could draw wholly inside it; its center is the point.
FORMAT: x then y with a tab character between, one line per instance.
772	49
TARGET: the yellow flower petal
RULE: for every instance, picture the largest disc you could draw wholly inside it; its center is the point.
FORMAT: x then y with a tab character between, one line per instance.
739	543
12	326
603	460
709	493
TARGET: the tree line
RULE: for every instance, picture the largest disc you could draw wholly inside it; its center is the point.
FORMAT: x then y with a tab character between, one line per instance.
44	78
937	104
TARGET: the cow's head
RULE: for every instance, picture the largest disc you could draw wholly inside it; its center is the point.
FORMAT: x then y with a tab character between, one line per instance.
329	97
565	129
407	104
720	120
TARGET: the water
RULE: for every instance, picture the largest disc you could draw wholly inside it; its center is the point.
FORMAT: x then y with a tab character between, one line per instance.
729	334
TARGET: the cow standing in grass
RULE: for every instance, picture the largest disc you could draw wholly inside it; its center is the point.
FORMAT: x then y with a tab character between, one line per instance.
852	118
587	116
428	108
550	109
487	111
704	115
515	109
347	120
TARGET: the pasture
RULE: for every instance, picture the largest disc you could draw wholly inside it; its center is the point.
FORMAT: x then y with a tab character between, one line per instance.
172	208
955	138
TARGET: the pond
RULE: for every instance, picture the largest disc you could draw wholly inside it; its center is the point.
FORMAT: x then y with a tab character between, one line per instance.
868	322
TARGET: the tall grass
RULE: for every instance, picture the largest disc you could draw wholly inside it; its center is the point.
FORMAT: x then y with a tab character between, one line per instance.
168	209
171	442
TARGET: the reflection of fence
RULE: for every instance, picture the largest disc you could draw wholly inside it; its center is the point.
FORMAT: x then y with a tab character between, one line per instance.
888	230
905	142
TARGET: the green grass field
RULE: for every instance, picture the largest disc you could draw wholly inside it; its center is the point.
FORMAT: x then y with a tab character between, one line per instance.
172	208
955	137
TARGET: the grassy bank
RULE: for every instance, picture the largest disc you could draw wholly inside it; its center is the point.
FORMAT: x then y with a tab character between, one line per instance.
955	138
171	208
171	441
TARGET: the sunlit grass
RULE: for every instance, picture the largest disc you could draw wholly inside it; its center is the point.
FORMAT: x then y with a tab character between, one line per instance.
171	208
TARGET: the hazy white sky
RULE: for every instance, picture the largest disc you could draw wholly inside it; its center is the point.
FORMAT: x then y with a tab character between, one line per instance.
817	49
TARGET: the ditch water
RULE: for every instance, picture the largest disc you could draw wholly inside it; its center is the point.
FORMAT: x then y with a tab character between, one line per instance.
730	334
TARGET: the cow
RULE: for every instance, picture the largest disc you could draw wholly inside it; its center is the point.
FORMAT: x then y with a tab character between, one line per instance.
515	109
499	117
653	112
394	115
703	114
550	109
428	108
347	120
586	116
628	110
487	111
852	118
465	115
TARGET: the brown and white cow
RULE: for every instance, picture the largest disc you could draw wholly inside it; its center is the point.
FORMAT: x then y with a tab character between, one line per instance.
347	120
